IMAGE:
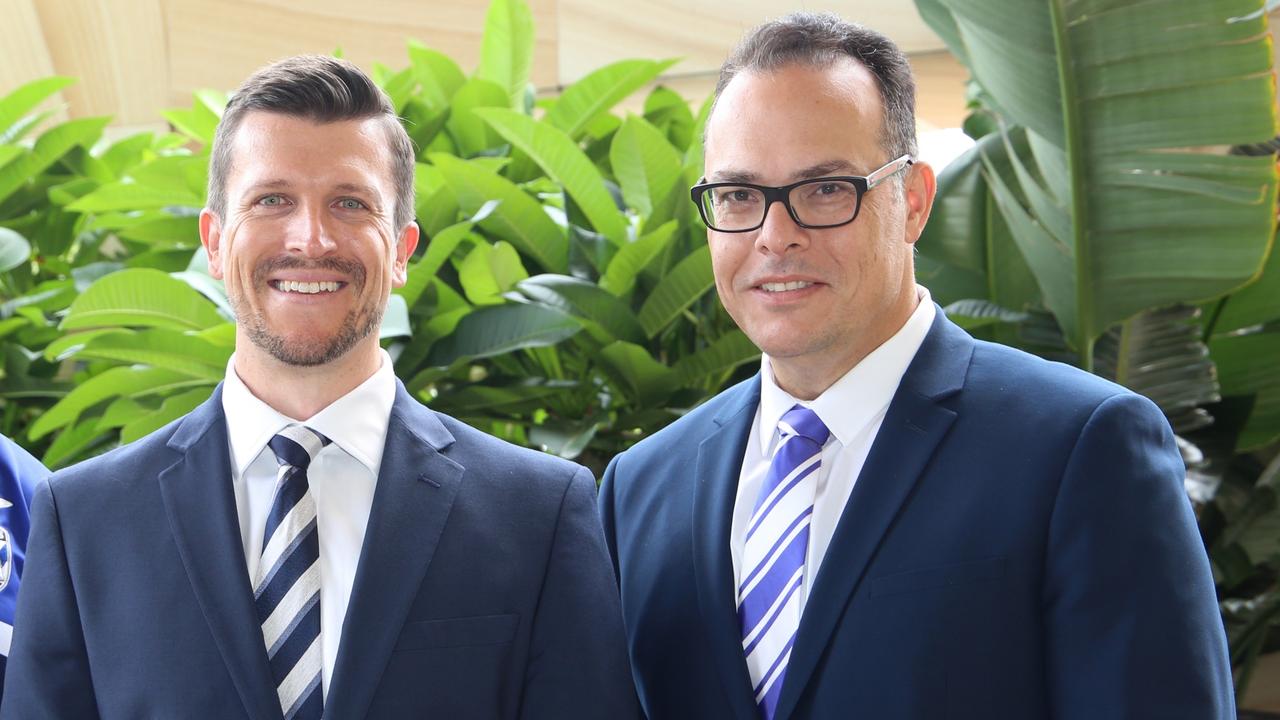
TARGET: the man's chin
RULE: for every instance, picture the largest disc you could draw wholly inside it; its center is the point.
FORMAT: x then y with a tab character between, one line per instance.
305	351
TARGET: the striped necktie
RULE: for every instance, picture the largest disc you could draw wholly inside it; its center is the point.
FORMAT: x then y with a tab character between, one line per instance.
287	589
773	557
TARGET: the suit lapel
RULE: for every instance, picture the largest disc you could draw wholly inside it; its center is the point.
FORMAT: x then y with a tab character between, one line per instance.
416	488
200	505
719	462
913	426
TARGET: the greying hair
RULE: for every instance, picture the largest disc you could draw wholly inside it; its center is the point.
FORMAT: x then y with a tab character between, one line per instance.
818	40
322	89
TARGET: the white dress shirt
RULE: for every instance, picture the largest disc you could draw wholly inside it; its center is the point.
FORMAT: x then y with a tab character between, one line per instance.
852	409
342	478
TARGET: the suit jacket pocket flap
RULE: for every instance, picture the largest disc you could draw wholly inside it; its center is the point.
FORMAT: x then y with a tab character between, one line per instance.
458	632
938	577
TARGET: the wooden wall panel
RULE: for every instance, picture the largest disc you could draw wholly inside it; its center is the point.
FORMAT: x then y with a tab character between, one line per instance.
24	56
116	49
595	33
218	43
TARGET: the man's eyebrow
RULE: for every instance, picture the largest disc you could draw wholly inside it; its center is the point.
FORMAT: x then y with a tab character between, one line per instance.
822	169
272	184
357	188
283	184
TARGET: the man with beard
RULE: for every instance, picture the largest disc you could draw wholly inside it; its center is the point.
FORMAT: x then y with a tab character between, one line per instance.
312	540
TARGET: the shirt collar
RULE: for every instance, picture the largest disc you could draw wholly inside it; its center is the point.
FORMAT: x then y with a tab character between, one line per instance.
356	422
861	394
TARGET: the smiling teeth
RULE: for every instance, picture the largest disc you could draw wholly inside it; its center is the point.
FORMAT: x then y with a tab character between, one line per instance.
309	288
780	287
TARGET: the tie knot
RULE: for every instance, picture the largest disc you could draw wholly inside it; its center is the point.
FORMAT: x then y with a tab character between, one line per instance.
804	422
297	445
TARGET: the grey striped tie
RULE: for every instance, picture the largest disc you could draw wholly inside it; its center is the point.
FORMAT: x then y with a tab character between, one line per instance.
287	589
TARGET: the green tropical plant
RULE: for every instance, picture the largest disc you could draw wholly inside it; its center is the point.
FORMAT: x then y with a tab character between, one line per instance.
560	301
1100	221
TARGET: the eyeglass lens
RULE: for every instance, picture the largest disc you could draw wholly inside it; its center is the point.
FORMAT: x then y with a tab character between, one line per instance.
821	202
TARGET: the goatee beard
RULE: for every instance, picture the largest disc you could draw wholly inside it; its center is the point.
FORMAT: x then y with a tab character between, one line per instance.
356	326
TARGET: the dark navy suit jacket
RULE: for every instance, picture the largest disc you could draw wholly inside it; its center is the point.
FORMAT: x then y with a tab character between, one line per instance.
483	589
1018	545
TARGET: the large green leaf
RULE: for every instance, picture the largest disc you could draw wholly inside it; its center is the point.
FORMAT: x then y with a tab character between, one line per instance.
1257	303
131	382
645	163
14	249
437	74
25	98
173	407
585	300
627	263
631	367
200	121
130	195
51	146
1159	354
689	280
506	53
161	348
142	297
726	353
490	270
1247	366
598	91
562	161
499	329
471	133
518	218
966	250
1111	211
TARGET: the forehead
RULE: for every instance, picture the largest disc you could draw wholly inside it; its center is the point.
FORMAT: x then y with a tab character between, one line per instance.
773	123
300	150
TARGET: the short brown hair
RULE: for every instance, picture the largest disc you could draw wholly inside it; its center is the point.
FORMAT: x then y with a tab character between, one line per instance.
819	39
322	89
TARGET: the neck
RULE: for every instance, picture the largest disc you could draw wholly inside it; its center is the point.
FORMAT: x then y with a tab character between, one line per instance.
807	377
301	391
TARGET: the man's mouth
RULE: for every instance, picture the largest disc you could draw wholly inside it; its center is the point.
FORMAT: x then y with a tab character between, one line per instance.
306	288
774	287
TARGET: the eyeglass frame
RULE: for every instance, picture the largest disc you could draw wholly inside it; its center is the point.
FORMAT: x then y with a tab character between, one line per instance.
861	183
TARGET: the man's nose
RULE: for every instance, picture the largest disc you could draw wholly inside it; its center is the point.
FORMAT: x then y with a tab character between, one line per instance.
780	233
308	232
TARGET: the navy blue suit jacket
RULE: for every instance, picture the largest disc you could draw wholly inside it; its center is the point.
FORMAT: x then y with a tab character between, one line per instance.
483	589
1018	545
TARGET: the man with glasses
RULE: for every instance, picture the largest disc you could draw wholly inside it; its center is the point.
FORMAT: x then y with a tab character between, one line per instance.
891	520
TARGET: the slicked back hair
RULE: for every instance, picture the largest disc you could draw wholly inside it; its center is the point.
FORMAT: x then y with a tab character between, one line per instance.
321	89
820	39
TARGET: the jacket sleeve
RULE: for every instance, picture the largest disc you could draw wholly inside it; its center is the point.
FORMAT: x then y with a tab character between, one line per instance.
578	666
1132	626
48	671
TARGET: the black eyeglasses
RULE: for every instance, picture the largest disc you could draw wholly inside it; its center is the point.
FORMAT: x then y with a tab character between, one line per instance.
824	202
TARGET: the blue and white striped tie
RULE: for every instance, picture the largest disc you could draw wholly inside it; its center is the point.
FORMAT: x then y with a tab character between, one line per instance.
773	557
287	589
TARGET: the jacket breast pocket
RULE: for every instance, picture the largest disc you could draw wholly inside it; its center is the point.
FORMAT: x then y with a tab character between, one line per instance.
941	576
458	632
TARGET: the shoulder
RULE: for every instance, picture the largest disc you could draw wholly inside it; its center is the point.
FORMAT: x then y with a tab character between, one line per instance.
1003	370
122	471
490	459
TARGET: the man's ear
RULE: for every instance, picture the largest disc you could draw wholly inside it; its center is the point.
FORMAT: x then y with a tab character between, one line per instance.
405	245
211	238
921	187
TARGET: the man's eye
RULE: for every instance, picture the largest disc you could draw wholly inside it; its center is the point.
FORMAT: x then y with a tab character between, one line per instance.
350	204
735	196
272	200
